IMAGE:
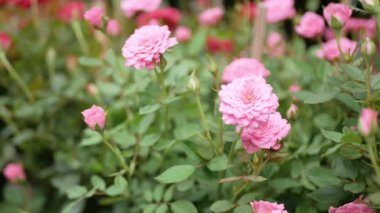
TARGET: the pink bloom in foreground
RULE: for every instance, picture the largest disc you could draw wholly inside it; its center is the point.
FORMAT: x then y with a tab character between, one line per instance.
5	40
276	44
94	16
279	10
71	11
94	116
357	25
182	34
211	17
131	7
267	135
311	25
357	206
267	207
368	121
244	67
331	51
247	101
341	12
145	46
14	172
113	27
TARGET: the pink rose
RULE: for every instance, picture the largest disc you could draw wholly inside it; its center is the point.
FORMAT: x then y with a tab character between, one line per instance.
311	25
217	45
331	51
267	135
357	206
94	16
113	27
211	17
14	172
267	207
167	16
276	45
247	101
244	67
145	46
292	111
70	11
182	34
279	10
5	41
368	121
131	7
357	25
341	12
94	116
294	88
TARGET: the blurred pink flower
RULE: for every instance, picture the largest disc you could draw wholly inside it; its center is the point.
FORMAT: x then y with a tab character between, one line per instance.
94	16
311	25
341	12
182	34
292	111
113	27
329	34
131	7
94	116
249	10
167	16
14	172
331	51
357	25
294	88
5	40
247	101
357	206
145	46
267	207
217	45
91	89
70	11
24	4
211	17
368	121
279	10
204	3
244	67
276	44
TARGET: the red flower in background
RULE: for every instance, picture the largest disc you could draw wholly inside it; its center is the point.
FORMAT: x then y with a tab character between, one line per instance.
71	11
168	16
248	10
5	40
20	3
215	45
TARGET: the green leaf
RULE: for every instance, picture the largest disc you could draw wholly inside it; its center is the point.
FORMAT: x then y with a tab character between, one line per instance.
169	194
322	177
146	122
158	193
124	139
354	187
375	81
222	206
149	109
149	140
350	152
332	150
76	192
353	72
149	208
331	135
186	131
349	101
90	61
98	182
69	207
245	199
183	206
330	195
197	43
13	194
218	163
351	137
119	186
243	209
176	174
163	208
90	138
375	198
314	98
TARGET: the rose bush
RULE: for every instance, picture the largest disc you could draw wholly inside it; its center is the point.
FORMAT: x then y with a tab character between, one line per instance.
189	106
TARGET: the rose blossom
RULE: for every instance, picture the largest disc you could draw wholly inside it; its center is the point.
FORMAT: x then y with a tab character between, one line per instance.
331	51
356	25
267	207
71	11
279	10
145	46
182	34
311	25
94	116
211	17
249	10
131	7
243	67
215	45
368	121
5	40
167	16
357	206
276	44
341	12
247	101
94	16
113	27
14	172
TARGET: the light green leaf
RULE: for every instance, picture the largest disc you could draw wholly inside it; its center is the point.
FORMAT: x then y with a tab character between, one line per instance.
218	163
149	109
98	182
354	187
183	206
90	61
76	192
176	174
222	206
90	138
149	140
331	135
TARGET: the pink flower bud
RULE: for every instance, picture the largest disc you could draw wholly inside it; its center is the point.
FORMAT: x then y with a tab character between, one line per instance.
94	16
5	40
14	172
311	25
292	111
91	89
182	34
340	12
211	17
94	116
113	27
368	121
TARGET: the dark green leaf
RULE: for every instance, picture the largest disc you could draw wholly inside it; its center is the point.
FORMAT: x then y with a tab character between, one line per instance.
176	174
222	206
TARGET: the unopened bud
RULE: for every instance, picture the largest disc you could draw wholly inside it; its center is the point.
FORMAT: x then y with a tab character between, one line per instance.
193	84
336	24
368	122
368	47
292	111
91	89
